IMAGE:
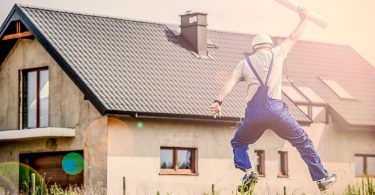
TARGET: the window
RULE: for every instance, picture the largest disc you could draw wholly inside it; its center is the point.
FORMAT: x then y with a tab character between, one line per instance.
35	98
175	160
310	103
294	94
283	164
311	95
260	158
340	91
364	165
63	168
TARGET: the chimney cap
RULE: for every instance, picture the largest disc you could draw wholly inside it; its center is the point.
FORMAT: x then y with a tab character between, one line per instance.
190	13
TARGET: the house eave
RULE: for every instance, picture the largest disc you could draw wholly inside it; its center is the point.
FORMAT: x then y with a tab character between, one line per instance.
180	117
346	125
359	127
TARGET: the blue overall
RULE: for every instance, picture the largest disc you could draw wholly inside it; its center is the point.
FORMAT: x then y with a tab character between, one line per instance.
262	113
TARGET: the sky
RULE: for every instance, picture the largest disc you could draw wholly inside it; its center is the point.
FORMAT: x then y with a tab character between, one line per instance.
349	20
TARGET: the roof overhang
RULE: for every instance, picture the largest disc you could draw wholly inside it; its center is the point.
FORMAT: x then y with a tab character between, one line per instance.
344	124
180	117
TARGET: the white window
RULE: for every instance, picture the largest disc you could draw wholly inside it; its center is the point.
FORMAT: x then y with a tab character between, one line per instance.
294	94
340	91
310	103
311	95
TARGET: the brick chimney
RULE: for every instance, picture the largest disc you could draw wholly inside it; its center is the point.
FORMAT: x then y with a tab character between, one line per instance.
194	30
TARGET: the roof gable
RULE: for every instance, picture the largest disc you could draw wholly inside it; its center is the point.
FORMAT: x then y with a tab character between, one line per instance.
18	14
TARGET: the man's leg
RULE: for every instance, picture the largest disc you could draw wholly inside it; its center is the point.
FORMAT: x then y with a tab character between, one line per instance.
247	133
288	129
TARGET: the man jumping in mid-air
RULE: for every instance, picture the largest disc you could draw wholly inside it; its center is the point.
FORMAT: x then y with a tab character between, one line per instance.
262	71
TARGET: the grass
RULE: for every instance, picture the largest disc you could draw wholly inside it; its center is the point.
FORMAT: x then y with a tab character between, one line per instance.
57	190
239	191
366	187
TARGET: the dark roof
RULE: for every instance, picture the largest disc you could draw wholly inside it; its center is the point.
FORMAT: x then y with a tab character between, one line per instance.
310	62
126	67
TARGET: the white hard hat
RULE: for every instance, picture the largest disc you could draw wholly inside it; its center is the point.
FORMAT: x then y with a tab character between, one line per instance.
261	39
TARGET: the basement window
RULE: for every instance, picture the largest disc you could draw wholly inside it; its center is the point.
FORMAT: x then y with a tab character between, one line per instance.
178	161
260	162
283	164
35	93
337	89
364	165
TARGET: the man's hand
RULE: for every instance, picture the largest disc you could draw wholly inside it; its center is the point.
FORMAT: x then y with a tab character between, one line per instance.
303	13
215	109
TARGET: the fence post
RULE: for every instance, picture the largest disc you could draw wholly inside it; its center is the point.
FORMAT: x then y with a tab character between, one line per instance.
32	183
284	190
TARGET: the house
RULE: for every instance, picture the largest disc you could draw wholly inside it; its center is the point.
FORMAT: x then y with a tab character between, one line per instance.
119	105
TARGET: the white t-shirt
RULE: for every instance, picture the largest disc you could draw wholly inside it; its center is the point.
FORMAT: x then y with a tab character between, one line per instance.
261	61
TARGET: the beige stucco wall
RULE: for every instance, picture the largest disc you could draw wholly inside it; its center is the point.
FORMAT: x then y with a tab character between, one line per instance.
134	153
67	108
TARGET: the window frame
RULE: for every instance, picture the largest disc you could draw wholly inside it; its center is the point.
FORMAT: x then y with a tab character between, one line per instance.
23	96
309	104
176	171
337	89
365	164
261	167
284	166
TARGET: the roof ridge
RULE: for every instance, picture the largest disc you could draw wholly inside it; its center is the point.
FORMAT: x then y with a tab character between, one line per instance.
165	24
88	14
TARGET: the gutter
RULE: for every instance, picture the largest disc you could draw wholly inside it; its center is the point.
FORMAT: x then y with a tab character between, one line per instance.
180	117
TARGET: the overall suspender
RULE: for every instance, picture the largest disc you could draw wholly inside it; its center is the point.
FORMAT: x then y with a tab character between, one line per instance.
256	74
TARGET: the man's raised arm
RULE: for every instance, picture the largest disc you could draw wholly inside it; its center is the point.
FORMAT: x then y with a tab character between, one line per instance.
296	34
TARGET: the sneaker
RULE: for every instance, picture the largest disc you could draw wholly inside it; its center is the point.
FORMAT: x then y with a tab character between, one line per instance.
248	182
326	182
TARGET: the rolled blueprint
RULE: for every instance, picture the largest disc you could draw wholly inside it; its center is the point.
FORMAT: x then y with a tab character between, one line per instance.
314	17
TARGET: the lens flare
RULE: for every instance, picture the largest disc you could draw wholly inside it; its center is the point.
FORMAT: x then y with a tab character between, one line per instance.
95	143
15	178
72	163
140	125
